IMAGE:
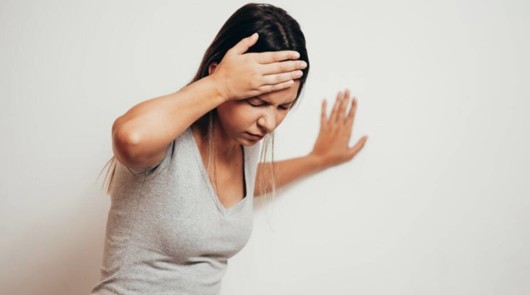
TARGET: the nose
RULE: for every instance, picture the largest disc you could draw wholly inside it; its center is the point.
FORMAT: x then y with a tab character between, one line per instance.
267	121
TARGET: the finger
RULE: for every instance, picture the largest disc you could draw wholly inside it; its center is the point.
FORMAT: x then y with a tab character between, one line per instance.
351	114
339	108
276	87
323	118
280	78
284	66
332	116
358	146
275	56
245	43
347	95
342	107
345	112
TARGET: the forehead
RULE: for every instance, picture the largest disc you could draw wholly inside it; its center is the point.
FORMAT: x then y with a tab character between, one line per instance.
283	96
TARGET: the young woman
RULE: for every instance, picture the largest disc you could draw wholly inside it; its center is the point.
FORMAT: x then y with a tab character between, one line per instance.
186	164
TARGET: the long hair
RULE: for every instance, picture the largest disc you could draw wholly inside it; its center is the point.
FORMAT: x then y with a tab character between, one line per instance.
277	31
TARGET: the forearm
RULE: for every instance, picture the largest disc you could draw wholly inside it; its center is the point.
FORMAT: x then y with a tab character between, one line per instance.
286	171
152	124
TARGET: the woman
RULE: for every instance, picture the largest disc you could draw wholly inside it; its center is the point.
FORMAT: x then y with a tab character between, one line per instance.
186	163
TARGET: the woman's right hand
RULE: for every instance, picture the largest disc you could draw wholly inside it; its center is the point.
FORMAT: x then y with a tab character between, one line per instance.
240	76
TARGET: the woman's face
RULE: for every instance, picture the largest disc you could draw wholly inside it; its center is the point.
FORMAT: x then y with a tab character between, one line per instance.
257	115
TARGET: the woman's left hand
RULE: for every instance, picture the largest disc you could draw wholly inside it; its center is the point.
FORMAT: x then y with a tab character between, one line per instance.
331	147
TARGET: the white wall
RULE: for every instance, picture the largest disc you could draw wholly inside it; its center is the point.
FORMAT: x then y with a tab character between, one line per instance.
436	203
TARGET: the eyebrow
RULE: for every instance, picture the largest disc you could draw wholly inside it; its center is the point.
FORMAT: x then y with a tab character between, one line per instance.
289	102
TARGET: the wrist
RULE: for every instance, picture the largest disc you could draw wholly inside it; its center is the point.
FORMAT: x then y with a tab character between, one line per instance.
218	89
318	161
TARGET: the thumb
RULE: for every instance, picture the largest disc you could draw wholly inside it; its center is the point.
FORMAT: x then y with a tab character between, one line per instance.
243	45
358	146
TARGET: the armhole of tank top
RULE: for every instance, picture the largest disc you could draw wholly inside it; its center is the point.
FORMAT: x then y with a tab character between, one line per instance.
155	169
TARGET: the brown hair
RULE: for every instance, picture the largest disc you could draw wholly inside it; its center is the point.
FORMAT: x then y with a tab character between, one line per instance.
277	31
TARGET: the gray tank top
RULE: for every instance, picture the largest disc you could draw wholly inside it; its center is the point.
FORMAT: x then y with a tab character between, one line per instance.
167	232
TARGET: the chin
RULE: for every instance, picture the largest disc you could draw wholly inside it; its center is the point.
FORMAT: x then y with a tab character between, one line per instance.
248	142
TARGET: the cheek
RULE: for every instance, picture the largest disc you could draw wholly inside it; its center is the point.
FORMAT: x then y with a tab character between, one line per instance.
238	115
281	116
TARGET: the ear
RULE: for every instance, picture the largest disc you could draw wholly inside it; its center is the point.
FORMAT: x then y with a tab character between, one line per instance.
212	68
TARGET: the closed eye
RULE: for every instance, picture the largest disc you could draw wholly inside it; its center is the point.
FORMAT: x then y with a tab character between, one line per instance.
253	104
283	107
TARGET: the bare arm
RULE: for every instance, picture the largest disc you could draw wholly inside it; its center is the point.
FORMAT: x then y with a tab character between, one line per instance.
286	172
330	149
141	136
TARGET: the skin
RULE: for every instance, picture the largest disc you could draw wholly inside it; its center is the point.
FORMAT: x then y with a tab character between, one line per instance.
142	134
331	146
261	115
269	76
330	149
257	115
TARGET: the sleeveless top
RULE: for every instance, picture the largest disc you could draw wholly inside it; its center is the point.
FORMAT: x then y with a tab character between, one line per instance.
167	231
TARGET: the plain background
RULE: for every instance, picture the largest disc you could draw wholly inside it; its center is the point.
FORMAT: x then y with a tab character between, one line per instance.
436	203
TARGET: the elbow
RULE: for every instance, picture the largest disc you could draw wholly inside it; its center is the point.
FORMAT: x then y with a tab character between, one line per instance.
124	143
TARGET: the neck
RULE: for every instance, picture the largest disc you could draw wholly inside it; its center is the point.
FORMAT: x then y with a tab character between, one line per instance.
225	147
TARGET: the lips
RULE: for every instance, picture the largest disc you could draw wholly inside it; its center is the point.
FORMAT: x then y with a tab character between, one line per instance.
254	136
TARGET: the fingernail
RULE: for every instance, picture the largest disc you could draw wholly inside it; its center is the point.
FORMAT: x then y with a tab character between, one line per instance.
303	65
296	54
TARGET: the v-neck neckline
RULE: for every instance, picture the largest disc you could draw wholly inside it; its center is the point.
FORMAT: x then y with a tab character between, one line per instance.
222	209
